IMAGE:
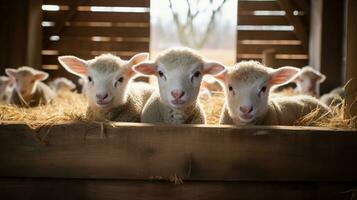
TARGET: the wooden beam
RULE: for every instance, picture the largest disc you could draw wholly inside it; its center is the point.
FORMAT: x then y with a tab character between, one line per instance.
142	151
351	40
149	190
34	41
326	41
299	27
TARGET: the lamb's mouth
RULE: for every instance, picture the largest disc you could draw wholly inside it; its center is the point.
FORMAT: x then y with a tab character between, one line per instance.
246	117
178	103
103	103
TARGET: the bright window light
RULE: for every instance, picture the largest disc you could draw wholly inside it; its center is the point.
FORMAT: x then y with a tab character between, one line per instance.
54	38
50	7
47	24
269	12
264	28
119	9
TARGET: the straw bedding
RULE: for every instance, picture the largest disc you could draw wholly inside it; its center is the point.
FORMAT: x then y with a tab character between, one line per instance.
70	106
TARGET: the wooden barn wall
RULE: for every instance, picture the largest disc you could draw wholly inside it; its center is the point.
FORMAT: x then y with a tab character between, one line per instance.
259	31
86	34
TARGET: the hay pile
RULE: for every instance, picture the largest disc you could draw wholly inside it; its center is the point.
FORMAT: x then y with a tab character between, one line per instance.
67	106
70	106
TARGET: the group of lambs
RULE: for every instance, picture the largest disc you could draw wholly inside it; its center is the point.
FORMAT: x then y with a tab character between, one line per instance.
112	95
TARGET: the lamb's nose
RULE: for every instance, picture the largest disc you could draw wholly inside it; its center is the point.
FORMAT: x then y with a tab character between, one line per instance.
102	96
246	109
177	94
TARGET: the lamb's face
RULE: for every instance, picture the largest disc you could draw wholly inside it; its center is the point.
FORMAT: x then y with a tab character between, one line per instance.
106	89
26	79
308	81
247	87
246	99
179	73
106	77
179	86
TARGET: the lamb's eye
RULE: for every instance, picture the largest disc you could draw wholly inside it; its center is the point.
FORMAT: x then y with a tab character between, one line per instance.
161	74
121	79
230	88
264	88
197	74
90	79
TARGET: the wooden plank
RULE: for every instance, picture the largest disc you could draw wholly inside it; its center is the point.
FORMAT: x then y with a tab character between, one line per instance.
34	41
262	20
83	16
326	33
266	35
351	41
141	151
291	62
257	5
139	190
63	46
280	49
76	31
299	27
52	59
121	3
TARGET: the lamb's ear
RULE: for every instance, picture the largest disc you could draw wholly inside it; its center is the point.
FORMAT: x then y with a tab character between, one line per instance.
321	78
145	68
41	76
213	68
11	72
283	75
74	65
136	59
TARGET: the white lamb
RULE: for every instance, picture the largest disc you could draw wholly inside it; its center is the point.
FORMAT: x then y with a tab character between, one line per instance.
247	87
111	95
308	81
29	89
62	84
6	87
334	97
179	72
83	82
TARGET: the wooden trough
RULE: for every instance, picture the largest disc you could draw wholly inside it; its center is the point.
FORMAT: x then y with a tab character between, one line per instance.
135	161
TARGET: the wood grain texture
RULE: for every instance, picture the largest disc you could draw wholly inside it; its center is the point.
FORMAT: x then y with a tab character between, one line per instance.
147	190
141	151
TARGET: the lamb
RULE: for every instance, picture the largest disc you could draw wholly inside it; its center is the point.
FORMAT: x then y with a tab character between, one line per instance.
334	97
6	86
247	87
29	89
83	83
62	84
308	81
179	72
110	92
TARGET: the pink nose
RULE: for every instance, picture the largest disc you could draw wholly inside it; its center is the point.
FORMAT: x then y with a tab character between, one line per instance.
177	94
246	109
102	96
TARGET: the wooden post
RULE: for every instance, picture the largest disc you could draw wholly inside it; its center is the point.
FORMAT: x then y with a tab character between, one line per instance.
351	41
269	57
325	46
34	42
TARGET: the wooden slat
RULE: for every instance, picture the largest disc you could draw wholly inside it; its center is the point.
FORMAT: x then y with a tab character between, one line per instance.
280	49
261	20
120	3
102	31
63	46
266	35
257	5
83	16
52	59
140	151
139	190
281	62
